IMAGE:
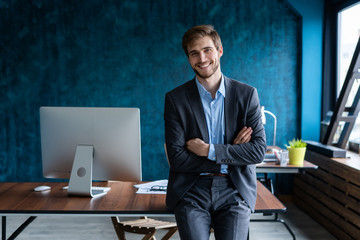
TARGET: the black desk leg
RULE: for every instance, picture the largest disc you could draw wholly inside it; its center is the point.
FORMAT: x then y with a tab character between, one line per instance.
18	230
3	228
267	182
287	227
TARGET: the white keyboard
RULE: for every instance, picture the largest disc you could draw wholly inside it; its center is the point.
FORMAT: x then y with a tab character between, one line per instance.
102	189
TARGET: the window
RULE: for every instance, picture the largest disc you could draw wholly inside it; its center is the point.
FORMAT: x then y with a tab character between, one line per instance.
348	36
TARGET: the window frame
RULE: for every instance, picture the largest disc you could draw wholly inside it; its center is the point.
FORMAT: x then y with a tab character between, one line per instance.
330	54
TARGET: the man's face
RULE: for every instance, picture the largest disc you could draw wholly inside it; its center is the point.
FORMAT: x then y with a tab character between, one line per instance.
204	58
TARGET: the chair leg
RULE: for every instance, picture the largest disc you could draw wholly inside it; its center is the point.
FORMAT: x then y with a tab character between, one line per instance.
149	236
169	234
119	232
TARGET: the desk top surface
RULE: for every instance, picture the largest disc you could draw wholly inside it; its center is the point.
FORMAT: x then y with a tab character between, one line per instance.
19	198
272	164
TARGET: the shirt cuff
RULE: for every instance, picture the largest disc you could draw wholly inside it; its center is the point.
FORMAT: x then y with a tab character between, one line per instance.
211	155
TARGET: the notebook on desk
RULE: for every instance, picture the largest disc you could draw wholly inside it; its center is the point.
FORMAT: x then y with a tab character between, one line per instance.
269	157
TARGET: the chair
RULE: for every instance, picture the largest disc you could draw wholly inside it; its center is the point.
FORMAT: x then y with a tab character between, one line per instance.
147	226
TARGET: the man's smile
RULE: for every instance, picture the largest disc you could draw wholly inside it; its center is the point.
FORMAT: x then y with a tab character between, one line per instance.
204	65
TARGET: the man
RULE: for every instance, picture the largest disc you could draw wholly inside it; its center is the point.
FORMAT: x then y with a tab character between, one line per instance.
214	137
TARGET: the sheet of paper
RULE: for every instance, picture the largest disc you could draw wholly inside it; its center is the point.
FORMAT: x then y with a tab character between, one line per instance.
150	184
148	191
155	187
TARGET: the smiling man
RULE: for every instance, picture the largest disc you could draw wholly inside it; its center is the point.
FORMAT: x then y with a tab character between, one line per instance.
214	137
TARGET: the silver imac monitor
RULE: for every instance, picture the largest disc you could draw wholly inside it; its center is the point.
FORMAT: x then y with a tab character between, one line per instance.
84	144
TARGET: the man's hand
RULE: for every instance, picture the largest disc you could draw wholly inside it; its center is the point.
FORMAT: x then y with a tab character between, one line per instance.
198	146
243	136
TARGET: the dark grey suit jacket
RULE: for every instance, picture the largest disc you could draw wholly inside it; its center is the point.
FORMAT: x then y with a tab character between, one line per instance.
185	119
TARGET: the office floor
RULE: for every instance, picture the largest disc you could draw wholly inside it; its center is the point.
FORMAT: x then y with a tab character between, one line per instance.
94	228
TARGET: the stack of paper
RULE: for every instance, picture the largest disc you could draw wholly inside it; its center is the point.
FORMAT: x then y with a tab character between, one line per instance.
155	187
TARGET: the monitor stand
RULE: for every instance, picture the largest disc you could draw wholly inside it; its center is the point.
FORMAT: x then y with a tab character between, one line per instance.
80	183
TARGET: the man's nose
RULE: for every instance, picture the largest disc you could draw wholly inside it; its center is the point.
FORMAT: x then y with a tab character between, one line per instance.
202	56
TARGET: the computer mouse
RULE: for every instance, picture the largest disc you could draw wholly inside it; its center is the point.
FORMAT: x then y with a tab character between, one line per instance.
42	188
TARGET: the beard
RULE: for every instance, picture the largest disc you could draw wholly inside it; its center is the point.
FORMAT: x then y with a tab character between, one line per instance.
215	67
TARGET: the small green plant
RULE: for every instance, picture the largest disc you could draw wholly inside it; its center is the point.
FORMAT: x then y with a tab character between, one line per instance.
296	143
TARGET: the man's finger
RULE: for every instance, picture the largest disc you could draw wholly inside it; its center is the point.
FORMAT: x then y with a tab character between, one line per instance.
240	134
244	136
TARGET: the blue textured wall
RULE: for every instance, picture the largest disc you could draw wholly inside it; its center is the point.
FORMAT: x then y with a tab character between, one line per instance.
128	54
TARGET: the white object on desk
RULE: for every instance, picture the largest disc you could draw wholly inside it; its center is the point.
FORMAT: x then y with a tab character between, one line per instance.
155	187
41	188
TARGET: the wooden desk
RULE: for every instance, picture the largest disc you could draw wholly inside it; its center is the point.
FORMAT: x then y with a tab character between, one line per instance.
271	167
121	200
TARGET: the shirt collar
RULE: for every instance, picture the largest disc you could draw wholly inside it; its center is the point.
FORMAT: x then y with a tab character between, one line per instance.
203	91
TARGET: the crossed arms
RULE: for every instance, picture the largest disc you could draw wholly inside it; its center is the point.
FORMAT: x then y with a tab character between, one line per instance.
200	148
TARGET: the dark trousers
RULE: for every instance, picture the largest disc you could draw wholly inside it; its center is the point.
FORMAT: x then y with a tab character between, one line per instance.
212	202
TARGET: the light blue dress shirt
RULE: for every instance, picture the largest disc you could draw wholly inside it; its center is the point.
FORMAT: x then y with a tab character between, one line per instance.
214	115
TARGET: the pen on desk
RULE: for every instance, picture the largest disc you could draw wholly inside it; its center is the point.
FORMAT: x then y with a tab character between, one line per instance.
158	188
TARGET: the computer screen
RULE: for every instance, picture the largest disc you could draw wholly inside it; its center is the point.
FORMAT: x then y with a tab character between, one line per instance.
84	144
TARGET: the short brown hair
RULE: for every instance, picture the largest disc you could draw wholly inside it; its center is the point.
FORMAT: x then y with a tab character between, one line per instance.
200	31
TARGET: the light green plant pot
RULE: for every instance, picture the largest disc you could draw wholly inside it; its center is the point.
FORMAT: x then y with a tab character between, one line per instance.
296	155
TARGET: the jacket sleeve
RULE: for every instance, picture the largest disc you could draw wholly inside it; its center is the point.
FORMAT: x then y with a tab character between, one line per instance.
180	159
247	153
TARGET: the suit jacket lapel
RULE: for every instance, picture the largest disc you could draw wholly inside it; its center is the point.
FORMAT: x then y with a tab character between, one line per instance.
229	108
196	106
